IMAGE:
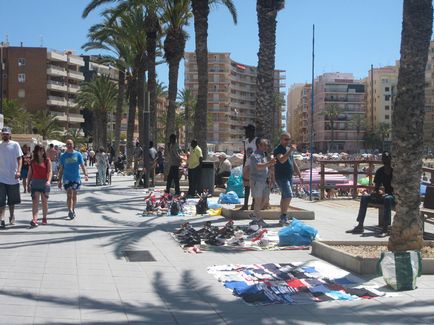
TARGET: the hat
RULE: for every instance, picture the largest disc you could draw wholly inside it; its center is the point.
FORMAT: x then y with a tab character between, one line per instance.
250	127
222	155
6	130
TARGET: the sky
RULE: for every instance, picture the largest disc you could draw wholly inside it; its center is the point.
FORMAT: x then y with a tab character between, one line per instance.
349	35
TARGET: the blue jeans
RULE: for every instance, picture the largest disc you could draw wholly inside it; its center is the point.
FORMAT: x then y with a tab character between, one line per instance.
388	201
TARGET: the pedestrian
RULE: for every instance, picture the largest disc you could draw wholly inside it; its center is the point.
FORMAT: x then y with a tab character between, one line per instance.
258	171
138	156
102	163
39	180
382	179
27	157
174	156
249	145
53	155
194	163
91	158
160	160
85	156
223	169
69	173
284	169
152	162
10	172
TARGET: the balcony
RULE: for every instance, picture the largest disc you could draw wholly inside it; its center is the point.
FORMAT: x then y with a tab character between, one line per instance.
75	75
76	60
59	116
56	86
72	103
73	88
56	101
63	117
56	71
56	56
76	118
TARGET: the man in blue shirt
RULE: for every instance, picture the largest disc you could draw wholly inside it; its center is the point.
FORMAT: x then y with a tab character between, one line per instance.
284	169
69	171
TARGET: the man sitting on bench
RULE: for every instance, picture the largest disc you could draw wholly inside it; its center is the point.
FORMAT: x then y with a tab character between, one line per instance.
223	170
383	177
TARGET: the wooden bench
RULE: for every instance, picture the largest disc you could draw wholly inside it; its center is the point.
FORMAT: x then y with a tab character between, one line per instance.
380	207
425	214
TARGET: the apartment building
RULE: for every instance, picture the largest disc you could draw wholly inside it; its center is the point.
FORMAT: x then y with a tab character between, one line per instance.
231	98
303	113
44	79
293	100
343	92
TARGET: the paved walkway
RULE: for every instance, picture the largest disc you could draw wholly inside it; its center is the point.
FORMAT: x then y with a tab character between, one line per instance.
74	272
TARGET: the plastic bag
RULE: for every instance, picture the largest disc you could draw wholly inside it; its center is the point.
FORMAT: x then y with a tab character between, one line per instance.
400	269
297	234
215	212
235	184
229	198
237	171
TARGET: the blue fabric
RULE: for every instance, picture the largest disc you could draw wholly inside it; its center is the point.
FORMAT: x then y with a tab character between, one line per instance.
71	165
235	184
297	234
309	269
283	170
238	285
249	290
343	281
229	198
338	295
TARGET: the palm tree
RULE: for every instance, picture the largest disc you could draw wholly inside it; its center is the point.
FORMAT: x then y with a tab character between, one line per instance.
188	102
358	121
267	12
176	16
100	96
384	132
15	116
407	124
76	136
46	125
201	11
331	113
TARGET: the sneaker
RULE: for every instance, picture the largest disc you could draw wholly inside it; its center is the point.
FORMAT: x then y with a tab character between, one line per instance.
283	221
44	221
356	230
2	225
33	224
384	232
263	224
12	220
71	215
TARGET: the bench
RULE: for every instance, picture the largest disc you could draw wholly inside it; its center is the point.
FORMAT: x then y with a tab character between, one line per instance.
425	214
380	207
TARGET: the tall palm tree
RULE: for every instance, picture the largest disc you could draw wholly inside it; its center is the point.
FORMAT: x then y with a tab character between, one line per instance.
267	12
331	113
188	102
176	14
76	136
201	10
384	132
46	125
100	95
407	124
358	121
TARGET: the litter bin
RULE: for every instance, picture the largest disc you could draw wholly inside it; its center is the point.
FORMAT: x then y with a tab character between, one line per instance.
207	176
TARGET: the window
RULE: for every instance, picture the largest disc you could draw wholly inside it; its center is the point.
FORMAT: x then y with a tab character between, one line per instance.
387	117
386	89
21	62
387	97
387	107
21	77
21	93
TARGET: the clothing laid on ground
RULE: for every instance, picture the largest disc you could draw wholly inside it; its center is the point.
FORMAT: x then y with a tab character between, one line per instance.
10	151
71	161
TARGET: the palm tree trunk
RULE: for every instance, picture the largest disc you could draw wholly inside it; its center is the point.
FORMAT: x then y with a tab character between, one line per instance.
332	127
173	91
119	107
132	91
200	128
187	126
102	122
141	103
151	46
407	124
266	12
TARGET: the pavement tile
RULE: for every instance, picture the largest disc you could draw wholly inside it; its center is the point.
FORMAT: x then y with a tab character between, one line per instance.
10	320
55	321
62	312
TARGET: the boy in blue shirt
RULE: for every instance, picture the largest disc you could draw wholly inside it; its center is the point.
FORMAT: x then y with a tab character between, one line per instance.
69	172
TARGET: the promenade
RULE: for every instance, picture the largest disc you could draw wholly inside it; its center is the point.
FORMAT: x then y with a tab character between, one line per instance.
74	271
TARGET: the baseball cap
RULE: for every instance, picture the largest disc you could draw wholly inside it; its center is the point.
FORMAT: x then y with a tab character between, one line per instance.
6	130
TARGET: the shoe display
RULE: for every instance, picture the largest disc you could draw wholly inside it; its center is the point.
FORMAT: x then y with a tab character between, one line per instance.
263	224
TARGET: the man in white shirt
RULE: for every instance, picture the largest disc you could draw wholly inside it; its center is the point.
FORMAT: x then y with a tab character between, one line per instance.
223	170
249	145
10	167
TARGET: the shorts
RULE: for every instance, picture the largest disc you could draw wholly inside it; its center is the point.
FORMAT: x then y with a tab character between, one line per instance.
39	185
259	189
71	185
11	192
24	172
285	186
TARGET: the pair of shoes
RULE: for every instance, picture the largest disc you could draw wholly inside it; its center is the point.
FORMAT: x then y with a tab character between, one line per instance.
283	220
71	215
33	224
12	220
356	230
2	225
384	232
44	221
263	224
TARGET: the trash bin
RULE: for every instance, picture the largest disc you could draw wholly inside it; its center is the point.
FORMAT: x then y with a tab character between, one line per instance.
207	176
